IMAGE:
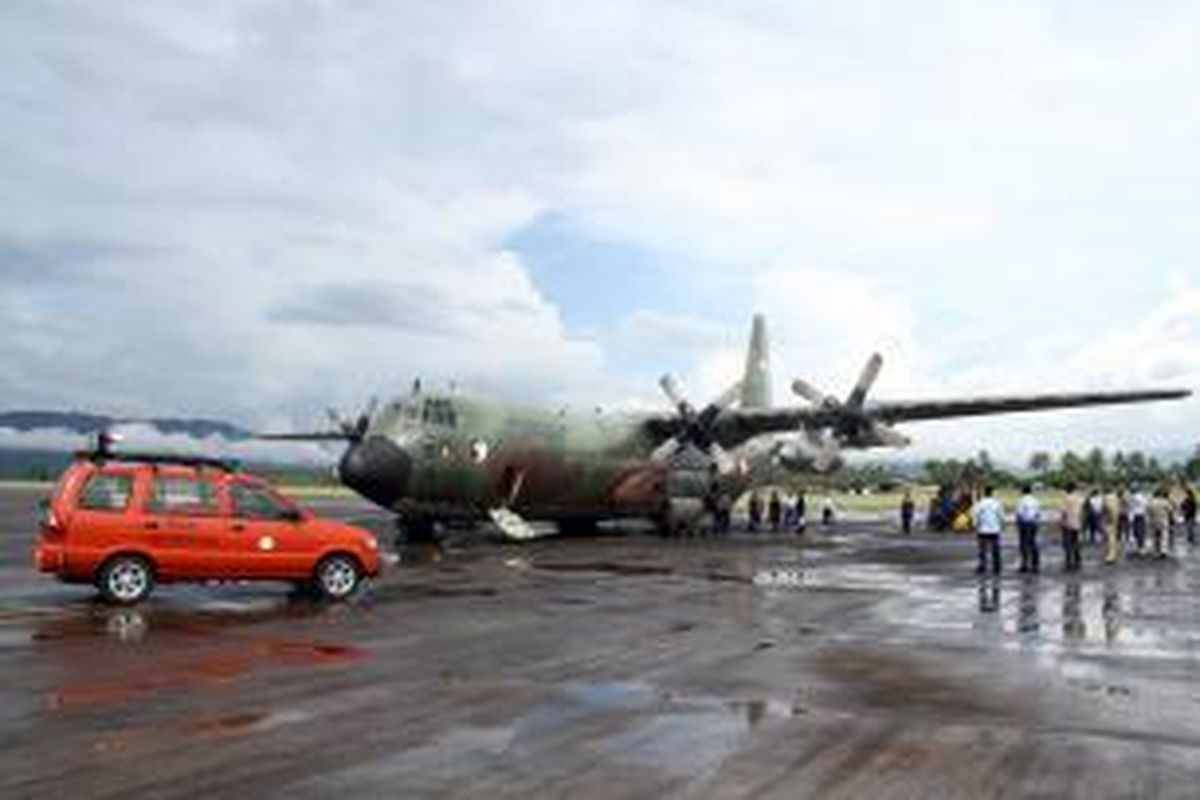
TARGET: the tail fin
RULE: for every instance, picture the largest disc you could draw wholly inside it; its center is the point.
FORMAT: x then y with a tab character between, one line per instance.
756	383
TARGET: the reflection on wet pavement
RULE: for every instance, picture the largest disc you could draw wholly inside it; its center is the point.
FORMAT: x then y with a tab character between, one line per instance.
851	664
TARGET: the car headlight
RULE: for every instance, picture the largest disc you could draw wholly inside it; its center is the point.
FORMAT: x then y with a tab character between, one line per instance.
372	543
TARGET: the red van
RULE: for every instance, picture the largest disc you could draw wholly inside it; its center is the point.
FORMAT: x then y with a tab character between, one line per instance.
126	522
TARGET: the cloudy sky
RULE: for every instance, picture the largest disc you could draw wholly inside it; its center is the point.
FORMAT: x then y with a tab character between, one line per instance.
251	208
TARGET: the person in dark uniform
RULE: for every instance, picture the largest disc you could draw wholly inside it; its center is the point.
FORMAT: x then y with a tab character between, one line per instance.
1187	511
775	511
801	512
756	511
1029	518
907	510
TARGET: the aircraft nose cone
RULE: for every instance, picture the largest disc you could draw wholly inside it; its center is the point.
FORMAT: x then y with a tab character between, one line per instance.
377	469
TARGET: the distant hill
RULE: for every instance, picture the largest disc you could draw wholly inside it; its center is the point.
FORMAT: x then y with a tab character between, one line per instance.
38	445
22	464
84	423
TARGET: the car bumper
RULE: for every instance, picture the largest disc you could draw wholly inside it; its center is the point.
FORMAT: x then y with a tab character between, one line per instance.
50	557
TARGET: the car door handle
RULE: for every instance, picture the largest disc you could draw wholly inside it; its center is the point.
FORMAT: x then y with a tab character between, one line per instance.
153	526
239	528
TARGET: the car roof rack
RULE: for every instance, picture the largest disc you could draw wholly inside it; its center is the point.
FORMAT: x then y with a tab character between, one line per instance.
102	451
98	457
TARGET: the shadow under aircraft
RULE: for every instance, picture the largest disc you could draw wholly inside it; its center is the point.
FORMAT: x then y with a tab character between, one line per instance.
457	459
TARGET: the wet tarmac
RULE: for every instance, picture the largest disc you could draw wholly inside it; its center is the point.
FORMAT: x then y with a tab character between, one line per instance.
854	663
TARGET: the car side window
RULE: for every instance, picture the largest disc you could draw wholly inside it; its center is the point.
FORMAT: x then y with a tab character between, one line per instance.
182	495
255	502
106	492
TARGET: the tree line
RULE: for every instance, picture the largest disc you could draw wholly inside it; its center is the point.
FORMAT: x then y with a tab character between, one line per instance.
1096	467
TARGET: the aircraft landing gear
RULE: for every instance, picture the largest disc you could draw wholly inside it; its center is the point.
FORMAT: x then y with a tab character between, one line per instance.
415	530
578	526
684	517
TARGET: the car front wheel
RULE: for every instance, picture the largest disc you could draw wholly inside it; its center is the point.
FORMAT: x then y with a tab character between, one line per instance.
337	577
126	580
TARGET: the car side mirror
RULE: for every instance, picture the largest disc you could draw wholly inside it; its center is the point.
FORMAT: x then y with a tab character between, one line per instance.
291	515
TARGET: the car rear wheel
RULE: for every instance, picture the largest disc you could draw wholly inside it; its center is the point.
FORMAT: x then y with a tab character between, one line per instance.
337	577
126	580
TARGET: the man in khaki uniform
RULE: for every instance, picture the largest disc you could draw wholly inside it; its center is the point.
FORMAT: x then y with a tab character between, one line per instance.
1112	529
1160	512
1072	521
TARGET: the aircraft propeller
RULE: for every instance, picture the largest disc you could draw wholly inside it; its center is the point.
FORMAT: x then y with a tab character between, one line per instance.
852	424
698	429
353	430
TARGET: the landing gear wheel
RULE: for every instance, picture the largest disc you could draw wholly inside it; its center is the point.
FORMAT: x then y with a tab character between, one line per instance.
579	526
337	576
415	530
126	580
683	517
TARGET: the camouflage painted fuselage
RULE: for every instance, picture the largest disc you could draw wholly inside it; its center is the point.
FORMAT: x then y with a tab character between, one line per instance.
470	454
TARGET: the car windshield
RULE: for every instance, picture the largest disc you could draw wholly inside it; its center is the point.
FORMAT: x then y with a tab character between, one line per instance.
258	502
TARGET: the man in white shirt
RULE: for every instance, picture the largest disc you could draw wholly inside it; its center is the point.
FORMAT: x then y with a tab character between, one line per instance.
1029	517
988	515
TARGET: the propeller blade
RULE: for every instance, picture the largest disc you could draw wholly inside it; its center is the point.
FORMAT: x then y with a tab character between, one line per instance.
729	396
665	451
725	462
670	388
807	391
713	410
364	419
869	373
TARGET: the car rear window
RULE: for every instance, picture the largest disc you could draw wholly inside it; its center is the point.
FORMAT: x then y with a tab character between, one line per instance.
106	492
182	495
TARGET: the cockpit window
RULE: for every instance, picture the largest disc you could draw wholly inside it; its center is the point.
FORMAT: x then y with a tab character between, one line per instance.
439	411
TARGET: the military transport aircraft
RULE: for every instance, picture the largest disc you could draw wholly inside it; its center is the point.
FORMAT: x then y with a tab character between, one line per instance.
454	458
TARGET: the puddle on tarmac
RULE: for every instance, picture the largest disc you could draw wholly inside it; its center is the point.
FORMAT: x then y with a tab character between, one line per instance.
229	661
635	724
93	618
1122	613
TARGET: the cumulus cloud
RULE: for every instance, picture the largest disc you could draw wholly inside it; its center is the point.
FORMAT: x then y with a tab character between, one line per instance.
260	207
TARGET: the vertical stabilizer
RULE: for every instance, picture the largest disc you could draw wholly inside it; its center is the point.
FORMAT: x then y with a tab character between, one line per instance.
756	383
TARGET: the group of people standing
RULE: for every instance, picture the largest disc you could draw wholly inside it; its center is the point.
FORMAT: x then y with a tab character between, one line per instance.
1132	522
786	512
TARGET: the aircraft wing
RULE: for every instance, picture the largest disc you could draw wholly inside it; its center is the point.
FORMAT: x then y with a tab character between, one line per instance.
913	410
736	426
315	436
